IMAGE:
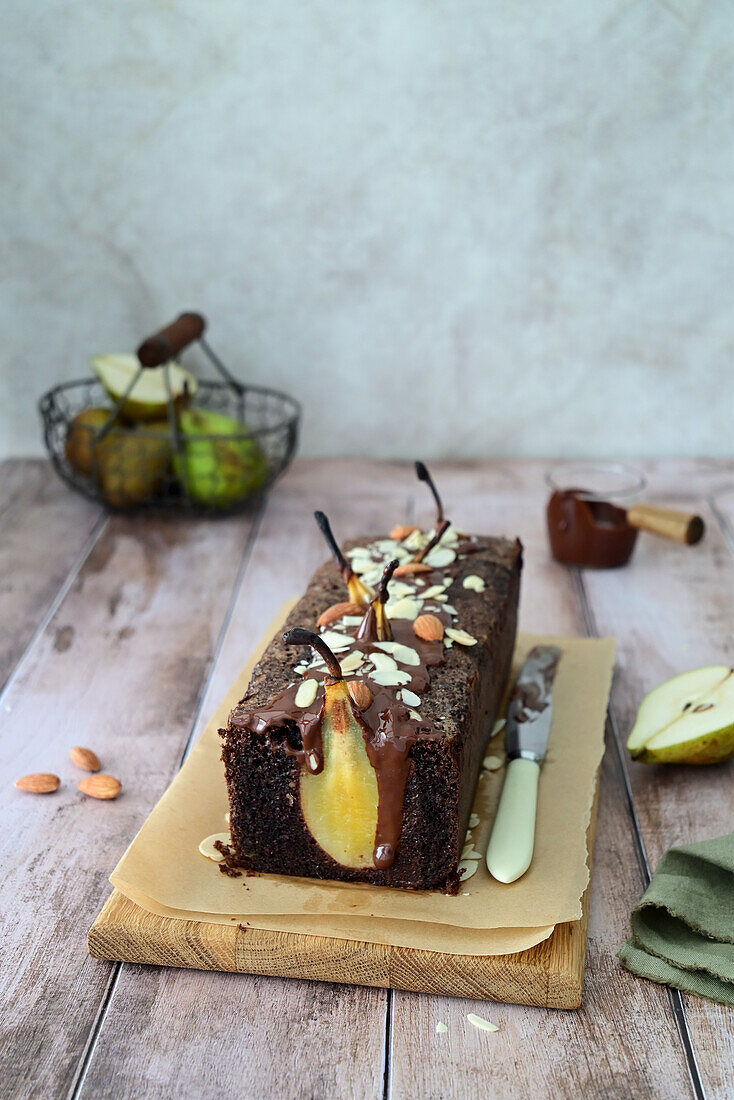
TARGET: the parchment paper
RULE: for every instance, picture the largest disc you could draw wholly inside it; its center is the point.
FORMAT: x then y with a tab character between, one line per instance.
163	870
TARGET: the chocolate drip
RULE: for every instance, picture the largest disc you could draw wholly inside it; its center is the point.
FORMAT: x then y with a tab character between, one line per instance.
367	632
387	727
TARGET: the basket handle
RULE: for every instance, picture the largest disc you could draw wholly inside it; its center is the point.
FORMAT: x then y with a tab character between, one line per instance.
169	341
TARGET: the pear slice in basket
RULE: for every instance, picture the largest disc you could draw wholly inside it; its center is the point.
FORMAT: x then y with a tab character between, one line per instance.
148	398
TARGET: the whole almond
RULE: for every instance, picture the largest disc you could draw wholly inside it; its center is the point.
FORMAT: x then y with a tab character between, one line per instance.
38	783
360	693
429	628
401	532
100	786
338	611
411	567
85	759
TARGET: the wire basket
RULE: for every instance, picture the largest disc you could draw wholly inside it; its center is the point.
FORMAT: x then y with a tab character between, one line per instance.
191	459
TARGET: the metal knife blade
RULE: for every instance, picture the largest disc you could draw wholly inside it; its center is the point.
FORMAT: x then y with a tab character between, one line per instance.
530	710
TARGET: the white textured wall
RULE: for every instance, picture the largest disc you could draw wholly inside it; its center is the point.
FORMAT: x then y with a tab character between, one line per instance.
453	228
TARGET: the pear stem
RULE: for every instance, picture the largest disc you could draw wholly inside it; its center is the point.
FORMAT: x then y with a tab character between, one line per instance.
423	475
385	580
299	636
440	532
382	623
325	527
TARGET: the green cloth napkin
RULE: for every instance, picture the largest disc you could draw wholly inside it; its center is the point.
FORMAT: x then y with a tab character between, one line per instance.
683	928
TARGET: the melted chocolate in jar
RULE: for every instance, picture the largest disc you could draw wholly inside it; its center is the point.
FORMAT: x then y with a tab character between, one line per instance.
388	730
588	532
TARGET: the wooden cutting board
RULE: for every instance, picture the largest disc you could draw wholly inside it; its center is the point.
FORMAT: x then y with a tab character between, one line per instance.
549	975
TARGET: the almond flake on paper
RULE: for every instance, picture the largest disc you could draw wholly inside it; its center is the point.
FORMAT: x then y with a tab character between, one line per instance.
468	867
492	763
207	846
481	1023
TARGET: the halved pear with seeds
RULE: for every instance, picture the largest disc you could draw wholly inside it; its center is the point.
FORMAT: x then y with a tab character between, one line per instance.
339	804
687	720
148	398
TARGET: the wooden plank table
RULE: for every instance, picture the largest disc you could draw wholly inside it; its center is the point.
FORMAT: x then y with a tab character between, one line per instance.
123	633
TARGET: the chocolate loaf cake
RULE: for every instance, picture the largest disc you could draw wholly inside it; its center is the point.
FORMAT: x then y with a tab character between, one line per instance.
362	765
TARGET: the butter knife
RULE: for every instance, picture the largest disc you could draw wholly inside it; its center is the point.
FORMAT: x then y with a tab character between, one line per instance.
529	717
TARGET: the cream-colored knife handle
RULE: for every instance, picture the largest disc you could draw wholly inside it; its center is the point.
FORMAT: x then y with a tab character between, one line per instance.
510	850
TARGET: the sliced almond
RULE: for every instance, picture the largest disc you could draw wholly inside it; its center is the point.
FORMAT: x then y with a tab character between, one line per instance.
352	661
100	786
372	577
492	763
481	1023
401	588
306	693
410	698
473	583
411	567
85	759
38	783
460	636
362	565
402	531
467	868
416	539
433	592
429	628
360	693
383	662
473	821
405	655
440	557
337	611
207	846
336	641
390	678
404	608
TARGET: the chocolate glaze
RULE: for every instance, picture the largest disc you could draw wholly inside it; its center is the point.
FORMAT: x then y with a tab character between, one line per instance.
387	728
531	697
588	532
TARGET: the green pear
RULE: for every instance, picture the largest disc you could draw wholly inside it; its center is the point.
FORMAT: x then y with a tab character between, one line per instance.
148	399
79	445
339	804
687	720
132	463
217	471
